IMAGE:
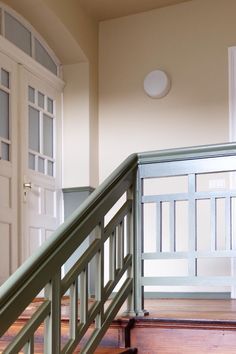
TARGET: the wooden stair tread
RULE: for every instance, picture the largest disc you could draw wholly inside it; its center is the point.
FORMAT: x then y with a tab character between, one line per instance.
115	351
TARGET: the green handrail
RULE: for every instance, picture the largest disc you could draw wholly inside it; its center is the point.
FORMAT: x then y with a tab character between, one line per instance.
43	268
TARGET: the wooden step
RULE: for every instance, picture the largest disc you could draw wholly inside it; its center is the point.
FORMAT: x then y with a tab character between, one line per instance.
174	336
114	341
115	351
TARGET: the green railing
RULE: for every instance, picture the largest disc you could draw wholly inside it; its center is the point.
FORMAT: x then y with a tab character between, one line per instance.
43	271
114	213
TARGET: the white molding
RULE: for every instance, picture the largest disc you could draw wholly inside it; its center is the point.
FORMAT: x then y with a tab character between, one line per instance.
30	64
232	93
34	33
232	131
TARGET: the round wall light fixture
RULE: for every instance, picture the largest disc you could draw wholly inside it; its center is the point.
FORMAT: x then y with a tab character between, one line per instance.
156	84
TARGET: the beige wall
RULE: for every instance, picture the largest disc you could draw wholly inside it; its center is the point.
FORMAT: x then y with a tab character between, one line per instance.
85	30
190	42
76	125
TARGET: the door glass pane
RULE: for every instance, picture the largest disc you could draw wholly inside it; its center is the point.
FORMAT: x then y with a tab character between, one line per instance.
50	105
41	165
32	162
50	168
4	114
5	78
5	152
40	100
31	94
16	33
47	135
33	129
42	56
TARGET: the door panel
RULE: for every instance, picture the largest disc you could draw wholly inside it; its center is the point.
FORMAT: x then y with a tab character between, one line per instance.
8	168
41	165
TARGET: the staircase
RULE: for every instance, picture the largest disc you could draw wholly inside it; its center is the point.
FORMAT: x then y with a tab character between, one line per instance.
115	213
173	327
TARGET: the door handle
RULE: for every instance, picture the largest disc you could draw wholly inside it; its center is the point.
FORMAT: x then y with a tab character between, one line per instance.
27	185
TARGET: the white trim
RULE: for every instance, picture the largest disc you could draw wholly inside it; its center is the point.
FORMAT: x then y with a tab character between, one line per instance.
33	32
30	64
232	131
232	93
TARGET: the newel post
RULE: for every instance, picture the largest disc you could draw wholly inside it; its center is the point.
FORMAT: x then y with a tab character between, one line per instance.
138	246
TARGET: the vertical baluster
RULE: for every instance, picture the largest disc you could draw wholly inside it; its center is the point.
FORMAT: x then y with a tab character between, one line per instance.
84	295
192	266
159	227
99	280
130	250
172	227
213	225
138	247
73	309
29	346
228	224
120	245
112	255
52	328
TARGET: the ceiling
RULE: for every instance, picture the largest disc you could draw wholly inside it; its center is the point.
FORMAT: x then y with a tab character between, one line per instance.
102	10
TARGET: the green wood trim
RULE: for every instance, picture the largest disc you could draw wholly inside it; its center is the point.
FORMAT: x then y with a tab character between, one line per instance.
110	313
78	189
28	330
78	267
188	153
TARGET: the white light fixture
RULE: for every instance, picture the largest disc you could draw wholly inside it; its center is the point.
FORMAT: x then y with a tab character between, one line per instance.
156	84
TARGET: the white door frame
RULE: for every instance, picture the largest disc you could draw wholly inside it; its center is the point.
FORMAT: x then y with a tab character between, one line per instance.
232	93
40	219
232	133
9	177
18	56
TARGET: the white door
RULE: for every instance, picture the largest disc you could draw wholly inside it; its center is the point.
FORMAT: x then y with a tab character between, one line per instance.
8	168
40	160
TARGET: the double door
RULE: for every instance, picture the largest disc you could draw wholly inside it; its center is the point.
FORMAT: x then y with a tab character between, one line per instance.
30	163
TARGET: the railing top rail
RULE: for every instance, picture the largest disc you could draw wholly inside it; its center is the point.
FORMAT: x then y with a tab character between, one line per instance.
188	153
8	289
24	272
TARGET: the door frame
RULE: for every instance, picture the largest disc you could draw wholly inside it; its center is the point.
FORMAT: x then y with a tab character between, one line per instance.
232	131
23	60
26	78
10	171
232	93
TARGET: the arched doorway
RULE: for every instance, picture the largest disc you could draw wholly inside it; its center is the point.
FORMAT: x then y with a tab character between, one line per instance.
30	141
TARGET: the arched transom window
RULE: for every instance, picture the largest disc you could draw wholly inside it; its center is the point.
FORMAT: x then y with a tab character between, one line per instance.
19	32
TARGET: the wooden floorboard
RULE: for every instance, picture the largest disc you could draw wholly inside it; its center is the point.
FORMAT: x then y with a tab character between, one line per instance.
191	309
186	326
174	326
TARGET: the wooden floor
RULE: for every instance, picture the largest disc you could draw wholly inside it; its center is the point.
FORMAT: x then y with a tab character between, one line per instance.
174	326
192	309
168	308
185	326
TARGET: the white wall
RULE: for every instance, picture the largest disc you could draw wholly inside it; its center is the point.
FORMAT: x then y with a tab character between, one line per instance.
76	146
190	41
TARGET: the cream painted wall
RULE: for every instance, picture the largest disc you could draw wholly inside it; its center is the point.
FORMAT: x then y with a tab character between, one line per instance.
189	41
85	30
76	125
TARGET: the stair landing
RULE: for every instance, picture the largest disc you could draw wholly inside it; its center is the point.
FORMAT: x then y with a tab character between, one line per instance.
174	326
183	326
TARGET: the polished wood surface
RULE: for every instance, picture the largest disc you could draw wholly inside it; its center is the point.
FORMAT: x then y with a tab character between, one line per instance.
180	326
184	326
194	309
